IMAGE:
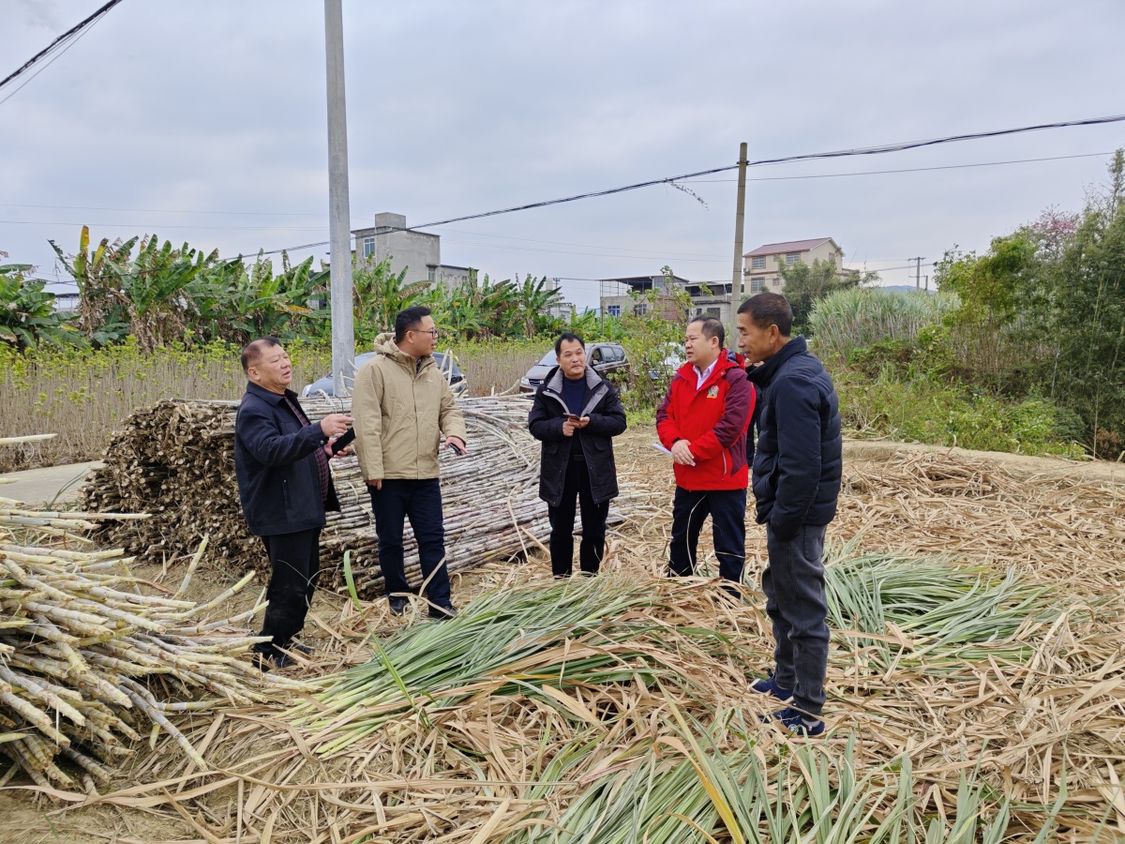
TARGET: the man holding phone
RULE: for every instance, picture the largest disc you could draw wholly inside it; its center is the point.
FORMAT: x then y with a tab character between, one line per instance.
281	460
575	414
402	405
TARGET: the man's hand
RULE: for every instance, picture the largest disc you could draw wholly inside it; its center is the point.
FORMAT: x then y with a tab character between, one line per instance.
569	426
334	424
458	444
376	484
681	453
582	423
346	451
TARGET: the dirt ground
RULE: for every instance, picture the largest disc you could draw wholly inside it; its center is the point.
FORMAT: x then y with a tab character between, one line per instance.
1082	504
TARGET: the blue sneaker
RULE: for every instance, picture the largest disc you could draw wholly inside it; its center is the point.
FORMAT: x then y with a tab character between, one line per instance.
796	722
769	686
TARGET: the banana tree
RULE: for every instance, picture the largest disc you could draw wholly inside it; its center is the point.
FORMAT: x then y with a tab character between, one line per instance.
27	311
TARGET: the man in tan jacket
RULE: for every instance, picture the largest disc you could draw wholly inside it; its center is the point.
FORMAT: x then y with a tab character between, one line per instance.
402	405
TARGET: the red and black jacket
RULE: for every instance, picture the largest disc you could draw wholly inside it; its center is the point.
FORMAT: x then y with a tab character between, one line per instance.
714	419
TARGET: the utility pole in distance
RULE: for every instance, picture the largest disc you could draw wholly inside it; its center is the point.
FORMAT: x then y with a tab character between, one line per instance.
736	273
917	271
339	207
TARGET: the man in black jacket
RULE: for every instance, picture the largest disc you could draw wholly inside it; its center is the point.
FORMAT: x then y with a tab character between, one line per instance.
575	413
796	481
281	460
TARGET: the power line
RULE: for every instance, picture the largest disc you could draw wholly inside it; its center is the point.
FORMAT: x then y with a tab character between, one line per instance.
75	32
910	169
881	149
190	211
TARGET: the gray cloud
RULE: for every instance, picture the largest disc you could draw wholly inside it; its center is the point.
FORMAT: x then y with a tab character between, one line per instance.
459	107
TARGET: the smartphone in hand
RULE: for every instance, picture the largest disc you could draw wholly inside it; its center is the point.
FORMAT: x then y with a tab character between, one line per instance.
343	441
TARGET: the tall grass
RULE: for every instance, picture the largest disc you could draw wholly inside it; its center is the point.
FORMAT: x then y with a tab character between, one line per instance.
856	318
84	395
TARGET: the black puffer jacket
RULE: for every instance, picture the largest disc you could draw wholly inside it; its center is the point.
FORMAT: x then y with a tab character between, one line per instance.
799	459
607	420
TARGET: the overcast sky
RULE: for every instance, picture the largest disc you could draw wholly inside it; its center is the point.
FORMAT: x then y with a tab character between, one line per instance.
205	121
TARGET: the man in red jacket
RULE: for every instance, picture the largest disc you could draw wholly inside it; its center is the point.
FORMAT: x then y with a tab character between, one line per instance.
703	422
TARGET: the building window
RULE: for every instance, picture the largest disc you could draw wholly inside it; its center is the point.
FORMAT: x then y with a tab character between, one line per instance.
614	310
368	247
758	262
757	283
641	309
792	257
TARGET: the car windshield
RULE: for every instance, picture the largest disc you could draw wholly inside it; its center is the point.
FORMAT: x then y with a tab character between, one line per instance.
549	359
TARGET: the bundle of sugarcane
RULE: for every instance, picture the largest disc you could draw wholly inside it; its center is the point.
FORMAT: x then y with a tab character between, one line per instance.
87	658
175	461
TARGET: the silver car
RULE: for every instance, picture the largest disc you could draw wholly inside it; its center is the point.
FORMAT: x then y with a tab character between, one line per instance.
444	361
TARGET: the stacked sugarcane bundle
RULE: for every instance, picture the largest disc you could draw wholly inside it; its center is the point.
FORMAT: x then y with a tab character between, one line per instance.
175	461
88	659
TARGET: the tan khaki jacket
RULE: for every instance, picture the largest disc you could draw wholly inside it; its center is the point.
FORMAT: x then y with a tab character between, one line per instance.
400	409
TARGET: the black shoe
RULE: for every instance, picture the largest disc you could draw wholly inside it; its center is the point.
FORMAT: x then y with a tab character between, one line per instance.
304	650
398	604
273	658
443	613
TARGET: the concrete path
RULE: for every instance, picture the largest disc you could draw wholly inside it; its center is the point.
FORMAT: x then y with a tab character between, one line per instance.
37	487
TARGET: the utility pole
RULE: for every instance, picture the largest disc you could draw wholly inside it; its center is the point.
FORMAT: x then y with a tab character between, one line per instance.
739	225
339	207
917	271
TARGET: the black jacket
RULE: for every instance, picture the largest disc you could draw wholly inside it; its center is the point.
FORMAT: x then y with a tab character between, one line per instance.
799	460
607	420
278	478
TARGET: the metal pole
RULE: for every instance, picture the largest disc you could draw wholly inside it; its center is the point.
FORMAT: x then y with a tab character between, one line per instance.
736	273
339	209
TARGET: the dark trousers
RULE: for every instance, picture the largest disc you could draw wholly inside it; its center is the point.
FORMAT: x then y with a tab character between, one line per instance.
419	501
592	549
794	586
727	509
295	563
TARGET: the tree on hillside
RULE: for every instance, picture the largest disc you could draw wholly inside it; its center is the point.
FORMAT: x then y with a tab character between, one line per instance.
806	285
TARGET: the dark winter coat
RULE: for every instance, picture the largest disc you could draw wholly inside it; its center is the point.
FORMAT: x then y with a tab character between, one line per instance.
607	420
278	476
799	459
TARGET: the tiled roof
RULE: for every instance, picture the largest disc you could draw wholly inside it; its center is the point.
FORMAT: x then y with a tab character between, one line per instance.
787	246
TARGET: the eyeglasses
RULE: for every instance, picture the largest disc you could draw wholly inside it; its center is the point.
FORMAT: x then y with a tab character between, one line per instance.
431	331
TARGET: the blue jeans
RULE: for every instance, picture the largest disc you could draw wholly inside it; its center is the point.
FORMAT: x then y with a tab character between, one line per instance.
794	586
419	501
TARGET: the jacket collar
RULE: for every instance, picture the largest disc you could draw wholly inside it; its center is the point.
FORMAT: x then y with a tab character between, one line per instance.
385	345
764	374
266	395
726	360
554	380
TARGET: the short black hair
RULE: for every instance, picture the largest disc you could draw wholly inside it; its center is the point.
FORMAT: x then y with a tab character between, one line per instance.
253	350
568	336
408	320
768	309
712	328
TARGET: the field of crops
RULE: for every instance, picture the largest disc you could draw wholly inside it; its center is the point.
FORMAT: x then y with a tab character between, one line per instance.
976	689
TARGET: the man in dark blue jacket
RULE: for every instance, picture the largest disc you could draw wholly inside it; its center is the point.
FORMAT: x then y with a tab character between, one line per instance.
796	481
281	460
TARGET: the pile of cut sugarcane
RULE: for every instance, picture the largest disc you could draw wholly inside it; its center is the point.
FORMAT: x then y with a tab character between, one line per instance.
92	657
175	461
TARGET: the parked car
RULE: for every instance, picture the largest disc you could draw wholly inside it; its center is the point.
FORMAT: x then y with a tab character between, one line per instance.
443	360
605	358
673	359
